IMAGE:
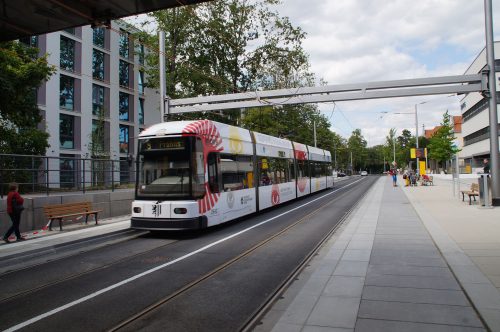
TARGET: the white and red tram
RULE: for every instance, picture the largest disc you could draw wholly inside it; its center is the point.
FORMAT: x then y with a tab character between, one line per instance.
196	174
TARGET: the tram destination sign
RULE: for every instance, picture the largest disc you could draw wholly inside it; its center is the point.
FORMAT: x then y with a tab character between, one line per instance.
164	144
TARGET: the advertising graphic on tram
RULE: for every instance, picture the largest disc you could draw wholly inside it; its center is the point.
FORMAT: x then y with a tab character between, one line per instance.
196	174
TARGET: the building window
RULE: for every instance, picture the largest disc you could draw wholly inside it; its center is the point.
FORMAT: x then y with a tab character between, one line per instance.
67	131
140	84
66	93
124	44
98	134
141	111
70	31
98	38
97	99
67	175
31	41
125	171
124	106
124	73
124	146
67	58
98	65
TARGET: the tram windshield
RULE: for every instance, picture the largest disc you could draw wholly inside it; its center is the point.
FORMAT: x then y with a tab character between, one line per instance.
170	168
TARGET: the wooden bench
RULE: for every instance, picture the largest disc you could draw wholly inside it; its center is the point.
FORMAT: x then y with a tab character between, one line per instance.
472	192
61	211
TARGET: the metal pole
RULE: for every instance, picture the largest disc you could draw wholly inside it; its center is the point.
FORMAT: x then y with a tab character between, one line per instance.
490	57
163	88
416	139
425	151
457	176
335	158
314	123
351	164
453	183
47	177
394	149
83	176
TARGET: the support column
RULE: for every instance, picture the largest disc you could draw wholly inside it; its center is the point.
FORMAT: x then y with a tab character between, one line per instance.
492	96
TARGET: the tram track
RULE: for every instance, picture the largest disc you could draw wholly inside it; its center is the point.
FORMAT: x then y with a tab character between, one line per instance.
258	314
191	280
77	275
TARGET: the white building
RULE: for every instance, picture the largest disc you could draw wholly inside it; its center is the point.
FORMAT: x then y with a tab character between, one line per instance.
98	84
475	117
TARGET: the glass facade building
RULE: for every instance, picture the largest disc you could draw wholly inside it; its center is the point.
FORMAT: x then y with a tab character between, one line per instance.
96	104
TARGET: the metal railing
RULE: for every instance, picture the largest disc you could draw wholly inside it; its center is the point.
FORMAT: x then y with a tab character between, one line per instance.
43	174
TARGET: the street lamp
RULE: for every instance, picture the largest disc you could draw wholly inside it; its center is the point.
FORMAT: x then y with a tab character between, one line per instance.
416	132
394	150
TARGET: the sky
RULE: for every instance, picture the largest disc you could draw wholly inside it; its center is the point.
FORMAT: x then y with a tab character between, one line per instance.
356	41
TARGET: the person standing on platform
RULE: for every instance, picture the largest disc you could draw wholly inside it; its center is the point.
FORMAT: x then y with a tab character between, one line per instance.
486	168
394	173
14	209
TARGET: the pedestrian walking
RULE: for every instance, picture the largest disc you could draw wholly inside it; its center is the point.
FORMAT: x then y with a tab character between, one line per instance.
14	209
394	173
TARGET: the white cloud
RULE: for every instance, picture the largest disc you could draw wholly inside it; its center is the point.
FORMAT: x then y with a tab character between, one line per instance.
354	41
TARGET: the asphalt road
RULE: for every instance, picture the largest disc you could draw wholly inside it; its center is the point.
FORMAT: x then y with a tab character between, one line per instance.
212	280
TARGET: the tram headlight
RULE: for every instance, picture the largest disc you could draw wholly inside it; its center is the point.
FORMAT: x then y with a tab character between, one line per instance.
180	210
137	209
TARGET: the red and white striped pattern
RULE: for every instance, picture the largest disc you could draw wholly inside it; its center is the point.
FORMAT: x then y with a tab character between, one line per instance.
208	201
208	130
212	142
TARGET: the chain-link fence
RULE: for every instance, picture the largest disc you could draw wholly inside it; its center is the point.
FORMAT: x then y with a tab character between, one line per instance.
42	174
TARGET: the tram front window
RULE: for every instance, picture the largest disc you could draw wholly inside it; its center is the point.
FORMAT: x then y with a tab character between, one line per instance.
169	167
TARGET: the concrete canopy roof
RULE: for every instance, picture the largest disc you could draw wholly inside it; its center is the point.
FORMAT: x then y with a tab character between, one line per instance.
20	18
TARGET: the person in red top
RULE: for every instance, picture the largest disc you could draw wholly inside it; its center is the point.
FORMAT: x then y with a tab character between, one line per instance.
14	211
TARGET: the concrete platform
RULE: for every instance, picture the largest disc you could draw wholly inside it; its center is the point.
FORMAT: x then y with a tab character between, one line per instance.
407	259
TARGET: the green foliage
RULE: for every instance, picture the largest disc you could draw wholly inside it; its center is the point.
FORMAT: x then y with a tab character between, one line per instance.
441	146
21	72
223	47
357	145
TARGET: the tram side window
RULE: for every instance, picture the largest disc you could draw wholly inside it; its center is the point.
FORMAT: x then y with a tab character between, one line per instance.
236	171
245	170
317	169
291	169
264	171
273	171
329	170
213	174
302	169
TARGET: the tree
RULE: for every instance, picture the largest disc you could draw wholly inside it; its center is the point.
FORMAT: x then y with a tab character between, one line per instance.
390	148
441	147
375	159
21	73
357	145
226	46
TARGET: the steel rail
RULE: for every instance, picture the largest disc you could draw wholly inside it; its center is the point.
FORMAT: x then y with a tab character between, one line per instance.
222	267
74	276
261	312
